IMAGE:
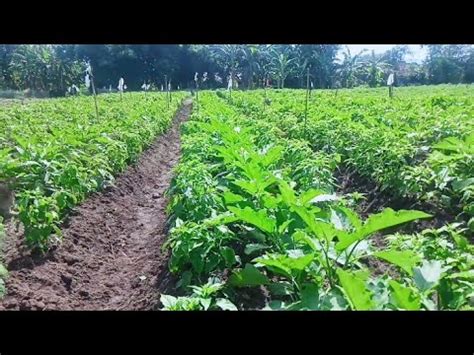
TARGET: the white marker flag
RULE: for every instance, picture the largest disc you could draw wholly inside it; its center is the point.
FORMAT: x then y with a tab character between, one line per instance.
121	84
390	80
88	81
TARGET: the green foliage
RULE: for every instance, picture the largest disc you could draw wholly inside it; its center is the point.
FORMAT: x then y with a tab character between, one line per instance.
59	152
298	240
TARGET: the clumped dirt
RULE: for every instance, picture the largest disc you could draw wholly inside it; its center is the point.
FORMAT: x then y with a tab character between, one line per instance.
111	257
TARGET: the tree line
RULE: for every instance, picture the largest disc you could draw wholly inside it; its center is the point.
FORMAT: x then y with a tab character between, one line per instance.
54	68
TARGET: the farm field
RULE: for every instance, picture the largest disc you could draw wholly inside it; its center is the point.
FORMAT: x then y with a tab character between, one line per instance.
249	201
58	153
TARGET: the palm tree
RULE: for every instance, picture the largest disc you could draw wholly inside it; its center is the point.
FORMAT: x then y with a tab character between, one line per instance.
227	56
250	63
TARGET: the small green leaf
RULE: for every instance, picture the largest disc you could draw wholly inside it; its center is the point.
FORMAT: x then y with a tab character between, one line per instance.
225	305
252	248
230	197
229	256
3	272
406	259
286	265
355	290
259	219
466	275
403	297
168	301
462	184
310	297
281	288
377	222
249	276
205	302
428	274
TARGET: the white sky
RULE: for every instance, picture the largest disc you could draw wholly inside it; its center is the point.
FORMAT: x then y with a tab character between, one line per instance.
418	53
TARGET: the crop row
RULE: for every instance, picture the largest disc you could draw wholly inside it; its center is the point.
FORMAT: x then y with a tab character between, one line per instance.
418	146
253	211
56	152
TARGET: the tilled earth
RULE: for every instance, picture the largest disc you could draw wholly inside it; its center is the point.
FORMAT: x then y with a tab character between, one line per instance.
111	256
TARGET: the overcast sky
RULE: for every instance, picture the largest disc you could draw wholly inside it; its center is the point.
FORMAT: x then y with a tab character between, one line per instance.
417	56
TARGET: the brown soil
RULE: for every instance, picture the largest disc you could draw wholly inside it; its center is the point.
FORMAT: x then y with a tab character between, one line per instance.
111	256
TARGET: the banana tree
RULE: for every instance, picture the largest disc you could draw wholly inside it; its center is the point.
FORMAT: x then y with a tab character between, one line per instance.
346	71
227	56
373	69
281	65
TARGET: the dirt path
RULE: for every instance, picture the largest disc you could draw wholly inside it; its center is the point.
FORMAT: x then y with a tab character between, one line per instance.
111	256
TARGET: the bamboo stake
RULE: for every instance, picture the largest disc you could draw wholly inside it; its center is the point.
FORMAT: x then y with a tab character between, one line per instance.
307	97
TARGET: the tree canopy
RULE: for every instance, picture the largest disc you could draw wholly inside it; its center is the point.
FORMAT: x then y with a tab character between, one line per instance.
53	68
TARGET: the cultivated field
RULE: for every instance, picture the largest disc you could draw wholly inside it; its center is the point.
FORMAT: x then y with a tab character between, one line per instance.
255	199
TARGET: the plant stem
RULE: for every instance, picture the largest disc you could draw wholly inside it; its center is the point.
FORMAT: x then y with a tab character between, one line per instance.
350	253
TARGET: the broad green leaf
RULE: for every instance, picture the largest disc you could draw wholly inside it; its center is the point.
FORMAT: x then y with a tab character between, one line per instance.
428	274
462	184
281	288
461	241
253	247
320	229
270	201
285	264
276	306
205	302
386	219
272	156
449	144
355	290
307	196
249	186
351	216
336	220
230	197
247	277
258	219
403	297
284	226
168	301
229	256
324	198
197	259
225	304
466	275
310	297
406	259
287	193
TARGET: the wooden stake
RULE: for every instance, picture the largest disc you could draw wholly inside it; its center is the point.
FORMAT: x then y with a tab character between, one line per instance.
197	97
166	88
307	97
95	95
